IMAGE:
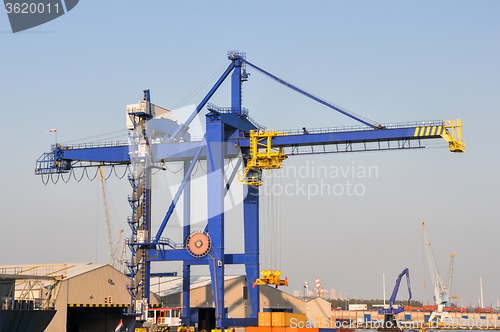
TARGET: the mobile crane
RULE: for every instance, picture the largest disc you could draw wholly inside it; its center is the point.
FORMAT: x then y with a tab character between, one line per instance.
230	131
391	312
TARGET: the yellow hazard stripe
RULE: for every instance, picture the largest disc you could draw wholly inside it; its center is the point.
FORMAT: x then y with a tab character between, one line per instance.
85	305
428	130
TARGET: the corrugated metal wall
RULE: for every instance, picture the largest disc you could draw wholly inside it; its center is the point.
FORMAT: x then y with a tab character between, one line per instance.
93	288
239	307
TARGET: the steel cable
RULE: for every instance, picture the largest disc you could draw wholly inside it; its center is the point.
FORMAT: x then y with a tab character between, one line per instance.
45	182
110	171
95	175
69	177
52	178
81	177
198	89
196	169
125	172
204	171
180	169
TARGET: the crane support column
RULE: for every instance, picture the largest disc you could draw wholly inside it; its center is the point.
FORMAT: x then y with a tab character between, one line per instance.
251	226
215	194
237	78
186	268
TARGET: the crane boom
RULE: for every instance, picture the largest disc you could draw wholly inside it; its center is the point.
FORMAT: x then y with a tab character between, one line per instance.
107	219
391	312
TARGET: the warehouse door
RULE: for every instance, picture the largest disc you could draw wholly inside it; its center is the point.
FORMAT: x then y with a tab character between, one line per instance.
95	319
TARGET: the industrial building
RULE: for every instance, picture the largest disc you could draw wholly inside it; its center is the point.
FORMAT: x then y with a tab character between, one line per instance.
90	298
93	297
236	297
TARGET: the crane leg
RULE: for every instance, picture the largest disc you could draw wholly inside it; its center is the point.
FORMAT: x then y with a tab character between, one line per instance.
186	269
251	225
216	189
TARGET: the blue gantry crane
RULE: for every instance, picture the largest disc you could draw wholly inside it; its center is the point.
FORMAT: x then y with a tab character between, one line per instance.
391	312
155	139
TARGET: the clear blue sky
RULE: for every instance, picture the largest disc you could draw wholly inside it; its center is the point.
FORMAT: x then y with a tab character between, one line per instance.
390	61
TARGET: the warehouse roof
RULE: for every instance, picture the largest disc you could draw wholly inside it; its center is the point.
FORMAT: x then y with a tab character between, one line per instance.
173	285
69	270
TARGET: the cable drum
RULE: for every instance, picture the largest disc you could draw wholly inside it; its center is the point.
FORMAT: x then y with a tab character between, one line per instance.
198	244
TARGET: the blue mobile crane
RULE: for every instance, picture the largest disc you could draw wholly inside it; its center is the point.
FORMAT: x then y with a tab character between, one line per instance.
391	312
155	141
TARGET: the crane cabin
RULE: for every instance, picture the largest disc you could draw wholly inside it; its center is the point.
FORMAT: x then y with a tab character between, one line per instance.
164	317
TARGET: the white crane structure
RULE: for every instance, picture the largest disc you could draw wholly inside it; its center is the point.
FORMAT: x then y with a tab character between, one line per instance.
450	277
441	291
117	249
320	291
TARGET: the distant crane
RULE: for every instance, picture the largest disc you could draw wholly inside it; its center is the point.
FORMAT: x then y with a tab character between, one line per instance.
441	291
481	302
320	291
117	249
391	312
450	275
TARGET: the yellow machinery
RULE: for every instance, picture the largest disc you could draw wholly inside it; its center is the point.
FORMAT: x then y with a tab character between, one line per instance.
453	135
450	130
270	277
262	156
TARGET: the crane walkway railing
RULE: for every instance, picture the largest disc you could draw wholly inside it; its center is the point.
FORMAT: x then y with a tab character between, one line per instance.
163	241
244	112
92	145
327	130
240	112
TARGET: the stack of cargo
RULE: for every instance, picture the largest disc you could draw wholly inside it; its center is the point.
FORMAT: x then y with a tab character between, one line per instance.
287	319
281	319
288	322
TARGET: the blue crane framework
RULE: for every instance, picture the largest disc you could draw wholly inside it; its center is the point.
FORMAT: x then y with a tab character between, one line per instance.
230	132
391	312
